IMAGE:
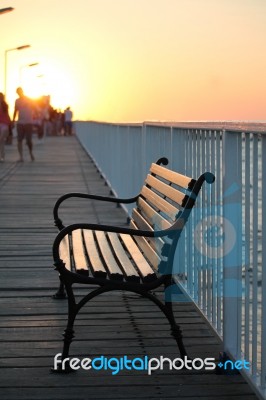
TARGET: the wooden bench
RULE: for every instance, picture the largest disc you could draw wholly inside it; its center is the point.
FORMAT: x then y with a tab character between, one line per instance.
138	258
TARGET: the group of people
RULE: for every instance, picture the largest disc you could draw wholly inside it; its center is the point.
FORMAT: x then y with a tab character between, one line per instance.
51	121
29	114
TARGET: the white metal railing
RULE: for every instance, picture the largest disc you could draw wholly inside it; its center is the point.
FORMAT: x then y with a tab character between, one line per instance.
222	265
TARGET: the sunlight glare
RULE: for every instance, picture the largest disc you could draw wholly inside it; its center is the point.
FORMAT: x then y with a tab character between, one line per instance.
57	82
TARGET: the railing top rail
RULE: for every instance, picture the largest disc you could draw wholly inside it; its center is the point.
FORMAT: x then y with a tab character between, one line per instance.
233	126
113	123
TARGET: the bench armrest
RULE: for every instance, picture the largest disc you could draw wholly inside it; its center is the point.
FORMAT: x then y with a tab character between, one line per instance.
58	221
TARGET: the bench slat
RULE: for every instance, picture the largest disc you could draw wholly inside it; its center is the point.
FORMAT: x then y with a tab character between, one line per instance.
79	257
172	193
64	252
96	264
144	268
153	217
130	271
174	177
141	223
111	264
160	203
147	249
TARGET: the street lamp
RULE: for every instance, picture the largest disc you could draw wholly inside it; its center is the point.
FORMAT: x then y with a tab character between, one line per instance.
25	66
6	10
42	83
25	46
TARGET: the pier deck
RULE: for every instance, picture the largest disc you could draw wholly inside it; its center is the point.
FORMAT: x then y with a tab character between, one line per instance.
32	323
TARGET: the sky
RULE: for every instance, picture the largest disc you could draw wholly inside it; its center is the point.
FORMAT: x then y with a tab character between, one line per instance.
139	60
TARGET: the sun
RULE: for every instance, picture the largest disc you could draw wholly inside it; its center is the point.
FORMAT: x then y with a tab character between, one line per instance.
53	81
33	87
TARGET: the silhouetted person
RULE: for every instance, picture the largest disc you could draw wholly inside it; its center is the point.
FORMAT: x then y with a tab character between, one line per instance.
68	121
24	108
4	125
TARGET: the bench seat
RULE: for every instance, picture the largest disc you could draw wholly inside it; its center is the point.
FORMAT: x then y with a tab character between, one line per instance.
108	255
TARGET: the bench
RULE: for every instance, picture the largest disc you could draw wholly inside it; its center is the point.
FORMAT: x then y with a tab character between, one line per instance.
138	258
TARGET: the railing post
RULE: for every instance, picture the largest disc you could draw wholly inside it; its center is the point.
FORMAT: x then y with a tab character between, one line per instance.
232	242
143	150
263	300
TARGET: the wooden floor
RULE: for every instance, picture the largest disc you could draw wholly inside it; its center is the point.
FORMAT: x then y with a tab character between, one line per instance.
32	323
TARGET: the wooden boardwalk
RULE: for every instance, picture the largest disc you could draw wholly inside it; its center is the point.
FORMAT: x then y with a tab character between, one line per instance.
32	323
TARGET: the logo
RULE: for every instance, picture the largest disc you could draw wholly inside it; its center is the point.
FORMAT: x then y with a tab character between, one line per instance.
116	365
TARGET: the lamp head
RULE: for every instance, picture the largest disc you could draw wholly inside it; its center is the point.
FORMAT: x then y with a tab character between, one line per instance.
6	10
25	46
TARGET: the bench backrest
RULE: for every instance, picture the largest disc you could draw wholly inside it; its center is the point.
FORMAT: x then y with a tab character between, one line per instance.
163	207
165	203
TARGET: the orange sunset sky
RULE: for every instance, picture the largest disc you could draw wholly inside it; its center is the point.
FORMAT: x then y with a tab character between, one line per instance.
137	60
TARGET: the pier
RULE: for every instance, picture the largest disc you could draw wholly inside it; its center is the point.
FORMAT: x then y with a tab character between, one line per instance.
32	323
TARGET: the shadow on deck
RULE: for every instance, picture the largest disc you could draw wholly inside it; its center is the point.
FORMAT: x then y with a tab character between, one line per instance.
32	322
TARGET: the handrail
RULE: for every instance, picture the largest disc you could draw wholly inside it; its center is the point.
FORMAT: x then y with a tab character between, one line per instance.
223	269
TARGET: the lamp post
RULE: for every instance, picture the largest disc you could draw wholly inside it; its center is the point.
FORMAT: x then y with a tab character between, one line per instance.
25	66
6	10
26	46
42	84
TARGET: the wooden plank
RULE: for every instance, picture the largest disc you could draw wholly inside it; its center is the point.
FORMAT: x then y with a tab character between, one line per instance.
147	249
131	392
166	190
140	223
113	268
96	265
80	261
64	252
107	347
124	378
130	272
144	268
172	176
154	218
159	203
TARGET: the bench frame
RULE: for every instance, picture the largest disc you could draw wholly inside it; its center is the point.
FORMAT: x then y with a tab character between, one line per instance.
68	278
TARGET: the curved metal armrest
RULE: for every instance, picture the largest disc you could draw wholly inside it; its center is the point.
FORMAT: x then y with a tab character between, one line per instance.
108	228
58	221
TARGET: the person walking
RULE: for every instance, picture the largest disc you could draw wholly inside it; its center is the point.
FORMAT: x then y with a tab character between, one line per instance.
68	121
24	109
4	125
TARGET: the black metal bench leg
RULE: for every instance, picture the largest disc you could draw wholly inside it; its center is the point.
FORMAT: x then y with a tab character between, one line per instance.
63	365
167	309
175	330
60	294
68	336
